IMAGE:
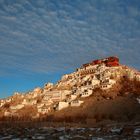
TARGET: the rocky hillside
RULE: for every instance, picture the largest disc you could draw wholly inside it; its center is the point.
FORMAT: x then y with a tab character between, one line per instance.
101	89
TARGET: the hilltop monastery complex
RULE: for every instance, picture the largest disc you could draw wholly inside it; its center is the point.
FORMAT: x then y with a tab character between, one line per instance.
69	91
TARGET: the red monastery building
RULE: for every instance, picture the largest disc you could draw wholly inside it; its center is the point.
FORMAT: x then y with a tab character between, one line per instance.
109	62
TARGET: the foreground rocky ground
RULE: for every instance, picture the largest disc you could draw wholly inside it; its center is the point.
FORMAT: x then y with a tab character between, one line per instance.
108	132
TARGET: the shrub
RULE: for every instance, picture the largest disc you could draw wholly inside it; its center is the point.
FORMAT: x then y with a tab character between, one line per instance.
129	86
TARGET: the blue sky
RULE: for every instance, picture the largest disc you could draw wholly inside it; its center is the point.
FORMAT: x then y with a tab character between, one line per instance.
40	40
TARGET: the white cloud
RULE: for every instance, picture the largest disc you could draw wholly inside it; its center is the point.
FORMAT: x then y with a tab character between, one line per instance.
46	36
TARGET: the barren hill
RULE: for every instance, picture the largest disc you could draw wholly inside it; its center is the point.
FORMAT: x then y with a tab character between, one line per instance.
99	90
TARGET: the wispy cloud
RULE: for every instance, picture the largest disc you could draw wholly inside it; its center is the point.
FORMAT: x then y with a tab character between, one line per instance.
45	36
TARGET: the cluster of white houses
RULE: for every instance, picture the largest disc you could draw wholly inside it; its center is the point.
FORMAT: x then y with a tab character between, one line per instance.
58	98
93	76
